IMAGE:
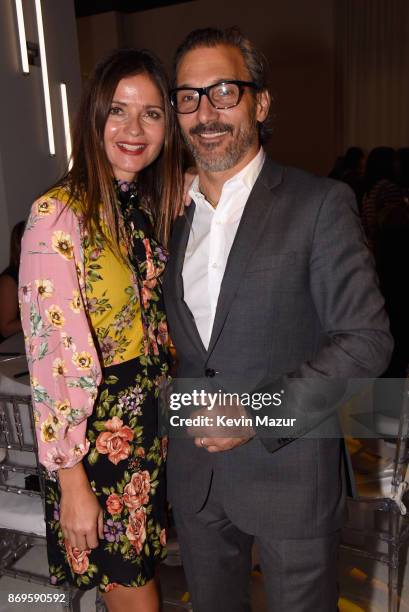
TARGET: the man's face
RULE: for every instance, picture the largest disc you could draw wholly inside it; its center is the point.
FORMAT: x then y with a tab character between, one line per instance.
220	140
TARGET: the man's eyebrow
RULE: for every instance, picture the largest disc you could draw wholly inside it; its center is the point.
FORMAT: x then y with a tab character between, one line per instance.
213	82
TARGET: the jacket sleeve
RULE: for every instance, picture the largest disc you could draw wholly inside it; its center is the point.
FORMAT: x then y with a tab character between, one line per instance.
345	291
63	361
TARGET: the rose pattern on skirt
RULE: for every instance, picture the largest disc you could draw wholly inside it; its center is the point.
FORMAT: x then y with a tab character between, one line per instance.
136	531
136	493
115	441
78	559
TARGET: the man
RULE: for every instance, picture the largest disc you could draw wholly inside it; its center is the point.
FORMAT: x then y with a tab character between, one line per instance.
268	277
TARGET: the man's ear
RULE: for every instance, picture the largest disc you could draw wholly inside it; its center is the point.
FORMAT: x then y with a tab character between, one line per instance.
262	105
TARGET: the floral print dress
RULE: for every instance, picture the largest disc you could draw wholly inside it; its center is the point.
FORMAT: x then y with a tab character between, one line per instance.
96	343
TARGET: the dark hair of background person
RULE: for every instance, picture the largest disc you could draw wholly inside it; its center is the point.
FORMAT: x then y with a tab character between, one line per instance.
15	244
337	169
160	185
254	60
403	158
353	159
349	168
9	311
380	165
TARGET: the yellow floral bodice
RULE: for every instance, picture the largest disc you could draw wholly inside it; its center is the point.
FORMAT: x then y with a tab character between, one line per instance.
113	303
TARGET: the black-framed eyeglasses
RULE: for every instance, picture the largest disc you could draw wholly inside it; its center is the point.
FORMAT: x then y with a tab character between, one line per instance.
223	95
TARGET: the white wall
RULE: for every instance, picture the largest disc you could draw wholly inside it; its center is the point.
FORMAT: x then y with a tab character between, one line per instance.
26	168
297	37
98	35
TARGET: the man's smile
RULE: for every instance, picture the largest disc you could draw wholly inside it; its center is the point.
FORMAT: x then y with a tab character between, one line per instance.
212	135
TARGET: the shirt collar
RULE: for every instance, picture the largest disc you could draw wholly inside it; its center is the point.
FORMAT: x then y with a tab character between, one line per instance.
247	177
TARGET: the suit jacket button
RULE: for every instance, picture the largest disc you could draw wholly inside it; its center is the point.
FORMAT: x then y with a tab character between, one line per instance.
285	440
210	372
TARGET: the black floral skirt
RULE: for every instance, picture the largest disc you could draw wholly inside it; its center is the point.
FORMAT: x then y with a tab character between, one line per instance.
125	466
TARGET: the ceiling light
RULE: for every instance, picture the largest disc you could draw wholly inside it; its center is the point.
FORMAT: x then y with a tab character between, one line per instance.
44	72
66	120
22	37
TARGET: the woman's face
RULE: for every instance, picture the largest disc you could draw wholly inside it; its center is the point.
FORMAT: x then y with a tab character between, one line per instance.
135	129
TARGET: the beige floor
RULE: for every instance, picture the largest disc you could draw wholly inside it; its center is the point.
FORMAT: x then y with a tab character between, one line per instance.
363	583
363	587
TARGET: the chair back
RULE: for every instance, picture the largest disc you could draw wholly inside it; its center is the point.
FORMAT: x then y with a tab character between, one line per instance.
400	478
19	444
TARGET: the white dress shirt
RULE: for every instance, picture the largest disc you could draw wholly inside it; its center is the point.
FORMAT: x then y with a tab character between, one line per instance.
210	240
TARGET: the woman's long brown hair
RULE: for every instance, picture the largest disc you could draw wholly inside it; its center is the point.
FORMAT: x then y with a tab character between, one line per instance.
160	185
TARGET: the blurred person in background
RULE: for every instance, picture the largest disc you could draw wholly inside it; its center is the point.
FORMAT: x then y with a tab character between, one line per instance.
392	255
337	168
353	172
403	164
10	323
380	189
350	168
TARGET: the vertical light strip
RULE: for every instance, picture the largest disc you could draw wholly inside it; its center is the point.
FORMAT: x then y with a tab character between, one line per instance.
22	37
66	120
44	72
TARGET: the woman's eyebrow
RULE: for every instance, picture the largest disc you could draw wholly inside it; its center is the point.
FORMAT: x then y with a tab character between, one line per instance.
144	106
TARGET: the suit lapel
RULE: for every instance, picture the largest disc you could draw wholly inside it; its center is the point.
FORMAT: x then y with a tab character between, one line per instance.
180	239
252	224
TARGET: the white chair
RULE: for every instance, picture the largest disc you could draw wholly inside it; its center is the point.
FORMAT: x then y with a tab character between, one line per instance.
378	524
22	523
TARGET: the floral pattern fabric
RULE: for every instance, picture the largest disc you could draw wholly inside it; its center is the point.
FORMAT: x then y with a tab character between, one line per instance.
96	343
125	467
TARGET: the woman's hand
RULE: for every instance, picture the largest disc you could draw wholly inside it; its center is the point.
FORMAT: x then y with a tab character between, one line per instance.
81	516
189	177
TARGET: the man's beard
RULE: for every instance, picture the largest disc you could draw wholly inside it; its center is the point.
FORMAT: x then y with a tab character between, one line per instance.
229	156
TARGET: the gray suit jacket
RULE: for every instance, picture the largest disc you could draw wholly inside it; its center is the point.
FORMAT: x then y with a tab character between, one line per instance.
299	297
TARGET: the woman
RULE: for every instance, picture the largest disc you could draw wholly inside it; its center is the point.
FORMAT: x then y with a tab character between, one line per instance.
96	333
10	323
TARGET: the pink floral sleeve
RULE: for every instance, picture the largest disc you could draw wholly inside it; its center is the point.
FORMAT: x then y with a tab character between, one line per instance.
63	362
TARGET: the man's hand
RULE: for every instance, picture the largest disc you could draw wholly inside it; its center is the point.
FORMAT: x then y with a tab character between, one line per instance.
215	445
229	428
